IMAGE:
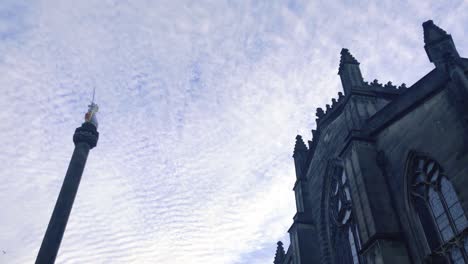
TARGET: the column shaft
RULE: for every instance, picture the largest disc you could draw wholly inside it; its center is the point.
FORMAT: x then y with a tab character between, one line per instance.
58	222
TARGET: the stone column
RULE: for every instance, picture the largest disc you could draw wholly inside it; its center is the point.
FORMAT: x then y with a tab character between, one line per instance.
85	138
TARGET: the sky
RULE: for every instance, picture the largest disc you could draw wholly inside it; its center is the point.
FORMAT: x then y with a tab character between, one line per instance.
200	103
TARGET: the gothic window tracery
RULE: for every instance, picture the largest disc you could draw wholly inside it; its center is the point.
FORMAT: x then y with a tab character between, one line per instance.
433	195
344	231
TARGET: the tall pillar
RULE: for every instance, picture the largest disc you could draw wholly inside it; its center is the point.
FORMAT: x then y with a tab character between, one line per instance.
85	138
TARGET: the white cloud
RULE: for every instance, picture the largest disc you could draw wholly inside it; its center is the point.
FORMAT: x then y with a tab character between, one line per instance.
200	103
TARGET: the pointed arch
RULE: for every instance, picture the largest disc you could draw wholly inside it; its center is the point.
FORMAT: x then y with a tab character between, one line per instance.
435	210
341	229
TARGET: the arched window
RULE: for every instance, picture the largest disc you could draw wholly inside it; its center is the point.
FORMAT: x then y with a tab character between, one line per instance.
345	237
439	210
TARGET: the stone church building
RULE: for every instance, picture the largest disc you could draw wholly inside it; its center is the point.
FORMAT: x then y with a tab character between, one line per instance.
385	177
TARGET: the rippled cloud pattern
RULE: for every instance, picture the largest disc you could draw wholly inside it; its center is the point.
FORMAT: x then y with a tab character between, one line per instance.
200	102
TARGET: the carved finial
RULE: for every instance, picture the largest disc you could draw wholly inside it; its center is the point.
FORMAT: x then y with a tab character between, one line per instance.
438	44
402	86
346	58
319	113
349	72
340	95
333	102
375	84
299	146
328	107
280	254
389	85
433	33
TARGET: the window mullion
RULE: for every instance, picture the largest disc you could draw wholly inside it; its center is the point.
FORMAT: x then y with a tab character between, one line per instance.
447	211
451	222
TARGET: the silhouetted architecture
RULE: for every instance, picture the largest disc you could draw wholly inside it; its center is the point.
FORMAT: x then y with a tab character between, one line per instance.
85	138
384	179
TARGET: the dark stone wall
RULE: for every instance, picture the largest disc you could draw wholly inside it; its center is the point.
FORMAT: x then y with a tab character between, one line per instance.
433	128
372	207
330	143
424	119
331	138
372	132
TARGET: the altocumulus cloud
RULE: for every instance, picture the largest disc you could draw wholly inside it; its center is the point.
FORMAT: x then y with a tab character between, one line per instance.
200	103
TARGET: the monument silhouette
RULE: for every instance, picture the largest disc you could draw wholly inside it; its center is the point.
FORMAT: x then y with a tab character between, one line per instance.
85	138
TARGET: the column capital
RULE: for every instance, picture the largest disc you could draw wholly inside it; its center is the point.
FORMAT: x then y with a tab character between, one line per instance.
86	133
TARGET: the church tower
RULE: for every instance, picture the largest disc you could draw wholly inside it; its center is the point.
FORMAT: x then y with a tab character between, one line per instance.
383	179
85	138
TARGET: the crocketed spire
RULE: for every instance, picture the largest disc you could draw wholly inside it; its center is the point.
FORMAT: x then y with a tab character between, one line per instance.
349	72
346	58
279	256
300	156
433	33
439	45
300	145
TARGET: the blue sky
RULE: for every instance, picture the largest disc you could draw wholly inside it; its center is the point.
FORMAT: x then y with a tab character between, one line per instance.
200	102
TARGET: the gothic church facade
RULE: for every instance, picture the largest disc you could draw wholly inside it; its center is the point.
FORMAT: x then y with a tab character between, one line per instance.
384	178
